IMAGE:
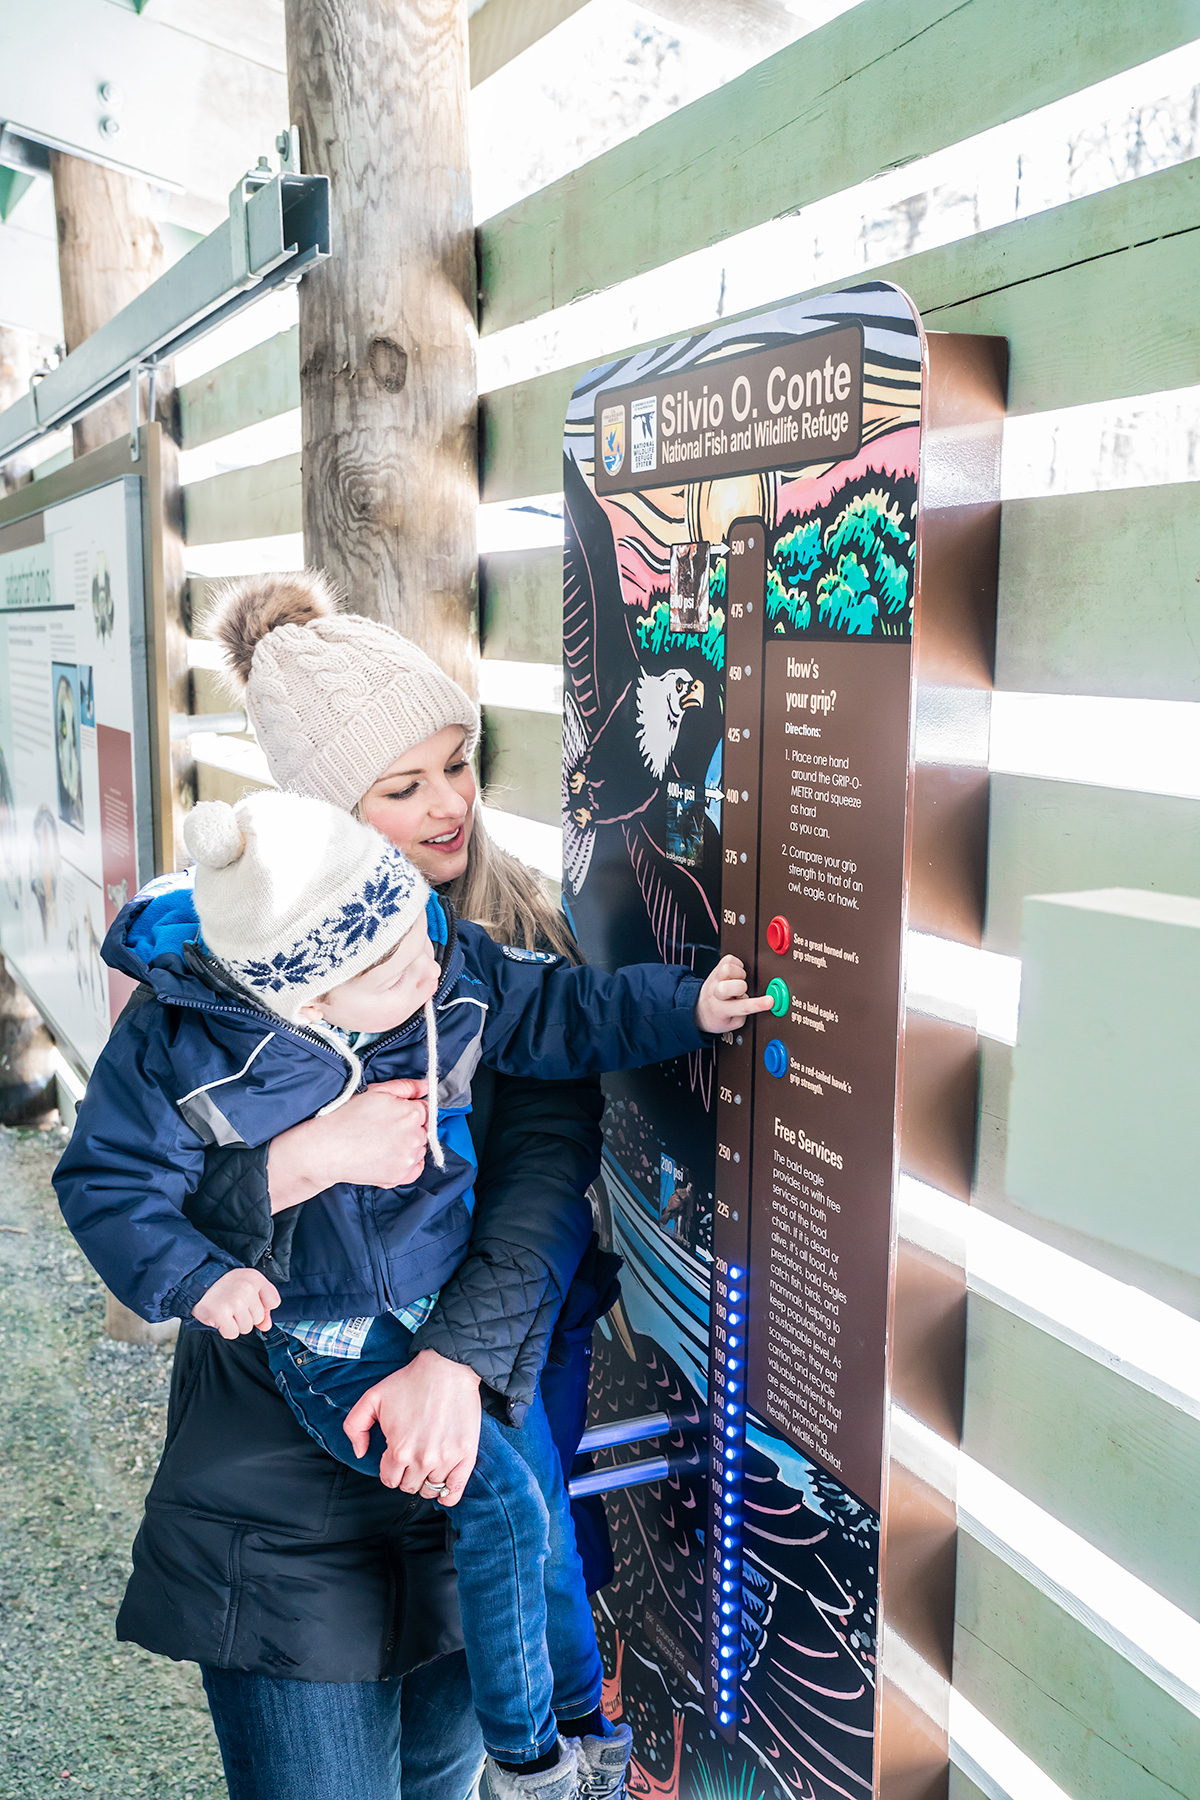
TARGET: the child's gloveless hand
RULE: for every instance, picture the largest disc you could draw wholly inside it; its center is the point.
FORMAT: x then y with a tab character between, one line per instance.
239	1301
724	1002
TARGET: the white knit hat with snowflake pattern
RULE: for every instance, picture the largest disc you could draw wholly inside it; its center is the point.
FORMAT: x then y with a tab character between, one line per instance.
334	698
295	897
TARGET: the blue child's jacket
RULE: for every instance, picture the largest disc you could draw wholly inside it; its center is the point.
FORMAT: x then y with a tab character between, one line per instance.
195	1062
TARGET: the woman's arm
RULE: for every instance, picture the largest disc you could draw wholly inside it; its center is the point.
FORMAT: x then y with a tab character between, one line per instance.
538	1156
376	1139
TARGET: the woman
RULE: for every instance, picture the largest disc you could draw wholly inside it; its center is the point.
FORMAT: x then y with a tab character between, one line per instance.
320	1604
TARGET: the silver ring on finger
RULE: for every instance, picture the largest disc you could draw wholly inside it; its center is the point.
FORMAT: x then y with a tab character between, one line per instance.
437	1487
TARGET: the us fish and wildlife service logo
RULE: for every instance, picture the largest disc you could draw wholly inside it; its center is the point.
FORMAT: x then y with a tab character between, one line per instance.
612	439
643	429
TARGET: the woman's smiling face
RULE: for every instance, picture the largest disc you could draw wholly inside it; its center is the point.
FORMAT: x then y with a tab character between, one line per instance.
425	803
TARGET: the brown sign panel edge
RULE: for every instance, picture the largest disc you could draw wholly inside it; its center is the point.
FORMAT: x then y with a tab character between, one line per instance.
966	379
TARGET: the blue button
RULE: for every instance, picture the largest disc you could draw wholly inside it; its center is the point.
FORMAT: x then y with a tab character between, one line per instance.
775	1057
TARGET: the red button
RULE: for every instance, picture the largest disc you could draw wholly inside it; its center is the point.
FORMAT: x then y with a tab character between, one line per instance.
779	935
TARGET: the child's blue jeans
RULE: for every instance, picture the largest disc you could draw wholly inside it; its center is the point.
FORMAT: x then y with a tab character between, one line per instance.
527	1626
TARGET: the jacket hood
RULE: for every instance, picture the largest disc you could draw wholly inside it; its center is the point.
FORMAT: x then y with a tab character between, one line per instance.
146	939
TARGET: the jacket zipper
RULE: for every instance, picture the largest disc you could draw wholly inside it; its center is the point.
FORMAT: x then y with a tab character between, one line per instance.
249	1012
376	1238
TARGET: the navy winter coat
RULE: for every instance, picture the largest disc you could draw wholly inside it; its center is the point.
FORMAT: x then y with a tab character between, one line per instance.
206	1066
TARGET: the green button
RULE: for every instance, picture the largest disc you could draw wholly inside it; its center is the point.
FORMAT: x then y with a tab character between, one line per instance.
780	998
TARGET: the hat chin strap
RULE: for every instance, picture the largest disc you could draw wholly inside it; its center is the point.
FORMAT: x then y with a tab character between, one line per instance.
431	1105
351	1088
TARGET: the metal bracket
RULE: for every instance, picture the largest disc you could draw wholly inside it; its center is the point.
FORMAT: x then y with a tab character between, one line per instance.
186	725
624	1431
607	1481
606	1437
136	371
278	229
135	410
288	146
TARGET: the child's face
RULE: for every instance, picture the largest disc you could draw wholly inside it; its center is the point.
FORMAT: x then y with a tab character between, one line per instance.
387	995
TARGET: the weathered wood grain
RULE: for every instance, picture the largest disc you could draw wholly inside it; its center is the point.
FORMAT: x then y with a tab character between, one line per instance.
889	81
1098	1727
109	251
261	383
379	91
1115	1463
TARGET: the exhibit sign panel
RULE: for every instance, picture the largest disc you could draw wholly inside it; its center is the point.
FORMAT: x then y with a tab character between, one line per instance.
75	817
752	520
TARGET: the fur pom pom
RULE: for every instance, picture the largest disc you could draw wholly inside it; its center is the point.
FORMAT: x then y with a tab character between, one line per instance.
213	835
245	610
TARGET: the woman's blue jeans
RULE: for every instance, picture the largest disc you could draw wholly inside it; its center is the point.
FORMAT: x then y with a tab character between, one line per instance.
527	1626
413	1738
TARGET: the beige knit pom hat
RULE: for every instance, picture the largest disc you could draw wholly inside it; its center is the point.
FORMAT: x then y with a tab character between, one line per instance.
334	698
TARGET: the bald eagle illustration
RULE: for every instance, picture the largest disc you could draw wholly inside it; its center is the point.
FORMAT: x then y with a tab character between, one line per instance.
621	772
640	727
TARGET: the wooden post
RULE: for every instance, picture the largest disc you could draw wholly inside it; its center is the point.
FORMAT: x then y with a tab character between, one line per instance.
387	326
109	250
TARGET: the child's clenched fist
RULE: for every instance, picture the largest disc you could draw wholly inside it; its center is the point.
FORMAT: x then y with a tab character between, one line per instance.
240	1301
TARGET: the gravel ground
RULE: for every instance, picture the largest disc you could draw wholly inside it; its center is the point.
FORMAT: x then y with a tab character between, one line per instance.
81	1422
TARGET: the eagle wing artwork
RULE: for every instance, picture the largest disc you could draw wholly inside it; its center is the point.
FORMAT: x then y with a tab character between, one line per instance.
641	736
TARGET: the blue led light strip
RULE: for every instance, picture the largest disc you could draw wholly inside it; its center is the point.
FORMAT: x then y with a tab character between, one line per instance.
728	1442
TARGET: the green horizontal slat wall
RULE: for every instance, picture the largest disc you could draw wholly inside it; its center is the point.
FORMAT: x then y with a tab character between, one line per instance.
1094	297
1124	620
262	501
889	81
261	383
1115	1463
522	762
963	1788
1098	1726
1101	595
521	605
1099	591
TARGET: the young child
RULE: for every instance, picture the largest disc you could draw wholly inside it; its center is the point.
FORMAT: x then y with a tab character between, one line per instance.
309	959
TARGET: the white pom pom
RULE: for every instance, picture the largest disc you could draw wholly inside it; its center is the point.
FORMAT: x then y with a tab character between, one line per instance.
213	835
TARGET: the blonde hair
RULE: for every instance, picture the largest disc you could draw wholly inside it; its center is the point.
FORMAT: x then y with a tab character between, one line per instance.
503	895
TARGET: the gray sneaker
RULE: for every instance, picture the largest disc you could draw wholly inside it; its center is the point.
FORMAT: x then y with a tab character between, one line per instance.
603	1764
558	1783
